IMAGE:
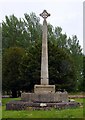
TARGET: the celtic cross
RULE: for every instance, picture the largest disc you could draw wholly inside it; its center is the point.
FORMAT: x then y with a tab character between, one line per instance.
44	14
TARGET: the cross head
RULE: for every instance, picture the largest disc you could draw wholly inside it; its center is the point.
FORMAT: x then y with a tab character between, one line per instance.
44	14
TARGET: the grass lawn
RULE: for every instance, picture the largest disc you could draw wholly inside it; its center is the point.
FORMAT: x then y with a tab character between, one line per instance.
54	113
0	112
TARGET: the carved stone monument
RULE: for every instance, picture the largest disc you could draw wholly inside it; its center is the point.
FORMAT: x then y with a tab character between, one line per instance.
45	92
44	96
44	87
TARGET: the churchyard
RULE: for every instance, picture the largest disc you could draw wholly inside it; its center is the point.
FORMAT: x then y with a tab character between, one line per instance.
53	113
45	90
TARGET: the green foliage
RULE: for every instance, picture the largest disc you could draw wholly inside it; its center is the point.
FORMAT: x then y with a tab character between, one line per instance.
33	27
82	83
20	32
30	68
13	32
84	73
61	68
10	73
77	56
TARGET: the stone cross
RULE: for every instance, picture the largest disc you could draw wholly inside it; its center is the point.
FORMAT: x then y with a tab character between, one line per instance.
44	59
44	14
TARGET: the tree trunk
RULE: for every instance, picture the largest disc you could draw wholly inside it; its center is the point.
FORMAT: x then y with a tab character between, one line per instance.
14	94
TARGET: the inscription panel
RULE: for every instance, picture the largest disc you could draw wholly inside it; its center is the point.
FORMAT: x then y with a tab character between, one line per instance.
44	89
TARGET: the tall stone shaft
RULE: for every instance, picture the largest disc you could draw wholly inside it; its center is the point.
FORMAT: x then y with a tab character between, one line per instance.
44	87
44	59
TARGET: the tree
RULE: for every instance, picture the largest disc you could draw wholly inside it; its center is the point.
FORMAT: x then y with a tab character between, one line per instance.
20	32
83	82
72	48
0	57
10	73
61	69
30	68
12	32
34	28
77	56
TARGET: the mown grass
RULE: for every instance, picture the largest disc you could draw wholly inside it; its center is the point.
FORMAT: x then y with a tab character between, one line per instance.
53	113
69	113
0	112
0	109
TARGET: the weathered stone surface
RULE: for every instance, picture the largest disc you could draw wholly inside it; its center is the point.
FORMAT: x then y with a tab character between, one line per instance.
21	105
44	59
45	97
44	89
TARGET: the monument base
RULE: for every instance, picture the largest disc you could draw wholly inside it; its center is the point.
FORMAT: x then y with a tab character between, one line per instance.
42	101
22	105
44	89
45	97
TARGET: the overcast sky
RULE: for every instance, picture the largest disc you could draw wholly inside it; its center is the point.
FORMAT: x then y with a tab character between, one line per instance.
68	14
